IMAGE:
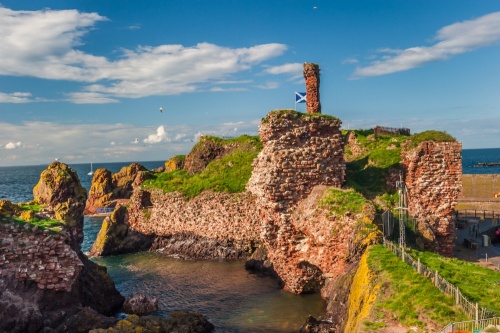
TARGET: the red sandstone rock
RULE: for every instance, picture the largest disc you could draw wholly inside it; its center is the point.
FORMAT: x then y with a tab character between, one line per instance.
311	76
433	177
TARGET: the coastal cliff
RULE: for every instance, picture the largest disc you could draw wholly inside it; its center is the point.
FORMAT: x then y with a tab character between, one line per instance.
46	282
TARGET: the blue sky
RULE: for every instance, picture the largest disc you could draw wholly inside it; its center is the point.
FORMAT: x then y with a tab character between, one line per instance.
84	80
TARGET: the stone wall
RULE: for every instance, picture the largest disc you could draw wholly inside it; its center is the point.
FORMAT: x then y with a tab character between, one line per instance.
38	256
433	176
300	152
211	215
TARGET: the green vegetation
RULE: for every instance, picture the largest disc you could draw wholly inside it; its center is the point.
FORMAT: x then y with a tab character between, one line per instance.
367	172
27	216
430	136
226	174
296	114
478	284
339	202
406	296
42	224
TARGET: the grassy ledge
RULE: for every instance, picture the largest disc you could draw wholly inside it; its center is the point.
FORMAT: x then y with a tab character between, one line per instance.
227	174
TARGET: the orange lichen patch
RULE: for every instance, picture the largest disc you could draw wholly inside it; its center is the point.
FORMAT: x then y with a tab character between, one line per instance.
363	293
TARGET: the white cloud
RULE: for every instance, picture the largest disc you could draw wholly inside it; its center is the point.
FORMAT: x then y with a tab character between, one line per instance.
17	97
295	70
160	136
269	85
350	61
44	44
13	145
451	40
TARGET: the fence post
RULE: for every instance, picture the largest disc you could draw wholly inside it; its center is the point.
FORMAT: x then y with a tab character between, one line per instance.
477	311
418	265
403	253
436	279
456	295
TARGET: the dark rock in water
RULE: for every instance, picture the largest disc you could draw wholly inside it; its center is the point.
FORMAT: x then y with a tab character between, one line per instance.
182	322
115	236
259	262
139	304
191	246
84	321
313	325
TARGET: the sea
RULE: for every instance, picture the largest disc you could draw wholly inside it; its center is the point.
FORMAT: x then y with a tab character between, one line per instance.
233	299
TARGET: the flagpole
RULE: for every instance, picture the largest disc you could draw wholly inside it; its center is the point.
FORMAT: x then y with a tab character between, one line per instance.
295	98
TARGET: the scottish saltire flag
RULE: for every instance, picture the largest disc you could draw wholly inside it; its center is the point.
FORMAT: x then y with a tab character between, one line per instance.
300	97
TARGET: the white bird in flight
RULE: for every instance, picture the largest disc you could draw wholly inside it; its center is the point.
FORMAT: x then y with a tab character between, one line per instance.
161	108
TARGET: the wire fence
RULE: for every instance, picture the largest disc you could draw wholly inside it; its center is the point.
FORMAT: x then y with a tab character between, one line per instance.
472	310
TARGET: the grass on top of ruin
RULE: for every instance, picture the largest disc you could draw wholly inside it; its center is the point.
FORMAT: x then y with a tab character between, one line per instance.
27	216
406	296
370	160
478	284
228	174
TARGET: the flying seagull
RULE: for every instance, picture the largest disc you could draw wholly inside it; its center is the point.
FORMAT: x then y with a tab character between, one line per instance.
161	108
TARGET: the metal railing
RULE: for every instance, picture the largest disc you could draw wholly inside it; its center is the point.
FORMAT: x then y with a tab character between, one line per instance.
104	210
470	326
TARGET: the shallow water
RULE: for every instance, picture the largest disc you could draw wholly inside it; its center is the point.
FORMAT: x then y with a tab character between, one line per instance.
233	299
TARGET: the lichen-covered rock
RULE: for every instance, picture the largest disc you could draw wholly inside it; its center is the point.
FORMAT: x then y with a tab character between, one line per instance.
59	188
58	184
115	237
107	188
140	304
27	215
8	209
175	163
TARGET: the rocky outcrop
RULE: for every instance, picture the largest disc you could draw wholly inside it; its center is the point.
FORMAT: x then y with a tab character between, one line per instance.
46	282
107	188
140	304
8	209
433	172
59	188
115	236
175	163
311	76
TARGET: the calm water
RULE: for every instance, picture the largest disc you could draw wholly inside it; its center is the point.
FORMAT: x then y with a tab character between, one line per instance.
233	299
470	157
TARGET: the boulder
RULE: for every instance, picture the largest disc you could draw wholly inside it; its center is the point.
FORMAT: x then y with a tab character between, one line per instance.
115	236
140	304
182	322
8	209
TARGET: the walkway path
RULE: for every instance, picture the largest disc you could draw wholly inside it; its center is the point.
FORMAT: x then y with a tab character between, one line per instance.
486	256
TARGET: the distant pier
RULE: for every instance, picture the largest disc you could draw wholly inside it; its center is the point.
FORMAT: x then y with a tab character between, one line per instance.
487	164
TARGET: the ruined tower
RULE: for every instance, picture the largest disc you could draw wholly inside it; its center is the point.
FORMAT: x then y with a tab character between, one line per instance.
311	76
